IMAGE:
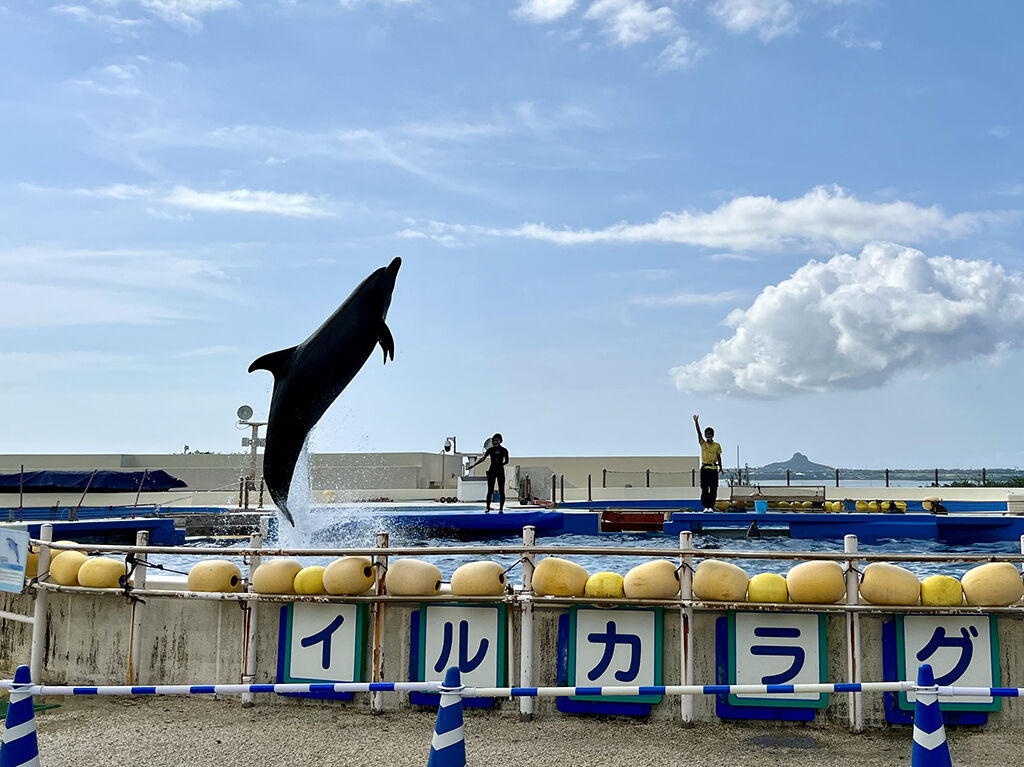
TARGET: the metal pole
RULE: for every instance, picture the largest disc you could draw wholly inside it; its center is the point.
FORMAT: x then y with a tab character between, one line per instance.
561	490
381	561
553	498
693	477
141	483
648	478
982	475
526	624
442	470
39	627
853	634
87	486
251	621
936	478
604	477
21	494
241	489
261	491
135	639
686	625
887	478
837	477
590	489
787	477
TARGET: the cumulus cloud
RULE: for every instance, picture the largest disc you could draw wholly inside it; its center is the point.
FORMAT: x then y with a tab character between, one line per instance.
631	21
854	322
541	11
769	18
826	217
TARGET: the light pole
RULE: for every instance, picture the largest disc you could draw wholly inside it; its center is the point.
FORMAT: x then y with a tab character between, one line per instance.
449	445
255	441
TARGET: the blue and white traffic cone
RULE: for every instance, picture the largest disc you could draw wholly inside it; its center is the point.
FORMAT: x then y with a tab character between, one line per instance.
19	747
930	746
448	748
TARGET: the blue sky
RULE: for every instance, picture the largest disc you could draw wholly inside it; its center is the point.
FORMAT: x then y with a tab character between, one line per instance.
801	220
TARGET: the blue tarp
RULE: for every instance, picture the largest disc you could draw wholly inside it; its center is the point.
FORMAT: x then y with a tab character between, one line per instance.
104	481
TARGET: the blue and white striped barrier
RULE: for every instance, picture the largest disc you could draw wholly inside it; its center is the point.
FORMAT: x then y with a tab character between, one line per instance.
19	747
930	746
448	746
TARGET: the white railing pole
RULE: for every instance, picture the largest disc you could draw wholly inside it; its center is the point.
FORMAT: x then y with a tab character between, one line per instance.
853	634
686	625
39	624
252	608
526	624
135	640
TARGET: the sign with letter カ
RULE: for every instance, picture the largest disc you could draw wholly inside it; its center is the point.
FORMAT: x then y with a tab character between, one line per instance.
14	548
321	643
469	637
777	648
963	650
615	647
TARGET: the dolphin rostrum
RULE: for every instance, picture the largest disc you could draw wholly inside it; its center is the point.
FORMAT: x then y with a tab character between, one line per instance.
310	376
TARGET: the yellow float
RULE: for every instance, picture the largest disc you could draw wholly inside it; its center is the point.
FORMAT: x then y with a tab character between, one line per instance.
995	584
861	506
309	580
605	585
722	505
556	577
32	562
276	576
872	505
102	573
720	581
479	579
349	576
941	591
901	506
412	578
652	580
215	575
64	567
806	504
885	584
817	582
767	587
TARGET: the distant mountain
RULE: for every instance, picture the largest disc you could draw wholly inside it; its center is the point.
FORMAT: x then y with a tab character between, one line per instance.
798	464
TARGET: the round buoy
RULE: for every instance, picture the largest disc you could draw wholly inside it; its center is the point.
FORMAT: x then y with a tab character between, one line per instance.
32	562
64	567
994	584
767	587
885	584
652	580
901	506
102	573
817	582
605	585
216	576
930	502
720	581
872	505
276	576
309	580
479	579
349	576
861	506
556	577
941	591
412	577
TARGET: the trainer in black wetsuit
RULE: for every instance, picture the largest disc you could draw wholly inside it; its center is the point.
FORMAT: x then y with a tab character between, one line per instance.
495	472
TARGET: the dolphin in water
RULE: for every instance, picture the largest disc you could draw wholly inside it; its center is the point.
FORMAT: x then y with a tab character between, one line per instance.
310	376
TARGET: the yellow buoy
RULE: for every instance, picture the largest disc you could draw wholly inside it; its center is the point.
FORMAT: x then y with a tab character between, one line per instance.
556	577
901	505
941	591
885	584
216	576
722	505
102	573
817	582
412	578
721	581
767	587
309	580
784	504
605	585
806	504
861	506
32	562
479	579
995	584
349	576
276	576
64	567
872	505
885	506
652	580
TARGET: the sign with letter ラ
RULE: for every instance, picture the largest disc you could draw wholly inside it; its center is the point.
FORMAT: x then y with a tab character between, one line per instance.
14	548
615	647
321	642
963	650
777	648
471	638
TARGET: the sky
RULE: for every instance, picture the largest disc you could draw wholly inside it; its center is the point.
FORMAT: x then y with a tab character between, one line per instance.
799	219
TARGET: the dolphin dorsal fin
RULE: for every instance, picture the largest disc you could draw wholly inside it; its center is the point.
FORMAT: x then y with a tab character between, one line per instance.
278	362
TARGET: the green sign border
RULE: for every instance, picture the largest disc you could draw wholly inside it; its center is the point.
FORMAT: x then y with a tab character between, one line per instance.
822	700
360	646
421	651
659	618
997	673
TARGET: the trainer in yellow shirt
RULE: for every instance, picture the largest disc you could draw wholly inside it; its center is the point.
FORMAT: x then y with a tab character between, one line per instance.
710	465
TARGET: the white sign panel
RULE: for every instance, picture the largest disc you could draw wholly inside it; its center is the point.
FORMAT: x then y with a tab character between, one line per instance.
959	649
778	648
615	648
323	642
471	638
14	547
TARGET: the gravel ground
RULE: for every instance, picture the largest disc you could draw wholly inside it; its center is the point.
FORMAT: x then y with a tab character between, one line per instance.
199	732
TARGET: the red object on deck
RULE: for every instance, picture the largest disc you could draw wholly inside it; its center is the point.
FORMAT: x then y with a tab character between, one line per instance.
632	521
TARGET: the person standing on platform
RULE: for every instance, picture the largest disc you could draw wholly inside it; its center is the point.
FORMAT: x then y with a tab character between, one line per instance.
710	465
495	472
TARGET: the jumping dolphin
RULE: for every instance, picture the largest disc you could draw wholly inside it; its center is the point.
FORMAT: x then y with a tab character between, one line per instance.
310	376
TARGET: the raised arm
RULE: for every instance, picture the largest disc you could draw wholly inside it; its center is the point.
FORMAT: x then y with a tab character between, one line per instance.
696	423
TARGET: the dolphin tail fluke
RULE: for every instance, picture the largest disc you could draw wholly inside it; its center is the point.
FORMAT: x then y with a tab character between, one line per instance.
277	362
386	341
281	501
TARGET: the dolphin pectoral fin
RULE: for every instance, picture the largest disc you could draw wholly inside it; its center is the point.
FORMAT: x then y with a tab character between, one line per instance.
277	362
386	341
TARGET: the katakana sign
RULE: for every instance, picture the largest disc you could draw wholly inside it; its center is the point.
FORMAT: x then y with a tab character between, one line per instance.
963	650
777	648
321	643
617	647
470	637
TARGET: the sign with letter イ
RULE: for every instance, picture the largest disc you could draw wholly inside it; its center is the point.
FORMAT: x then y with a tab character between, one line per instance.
321	643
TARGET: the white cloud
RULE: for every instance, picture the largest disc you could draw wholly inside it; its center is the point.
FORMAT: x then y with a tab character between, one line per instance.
843	35
824	218
631	21
770	18
854	322
680	54
233	201
543	10
186	13
684	299
121	27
